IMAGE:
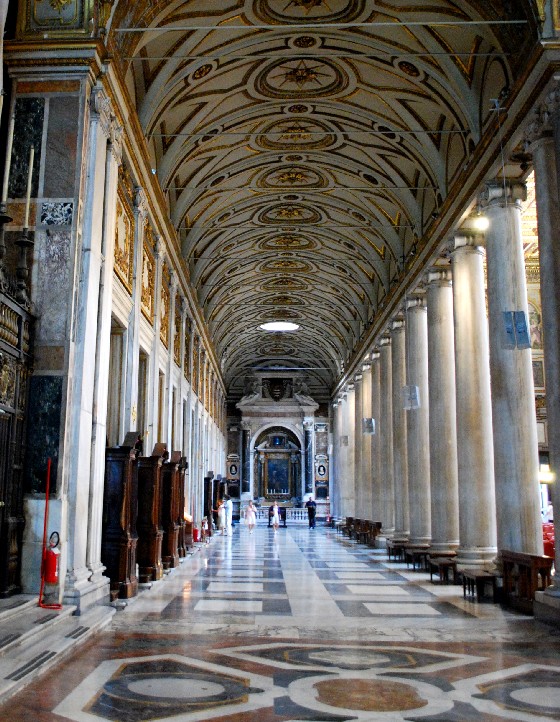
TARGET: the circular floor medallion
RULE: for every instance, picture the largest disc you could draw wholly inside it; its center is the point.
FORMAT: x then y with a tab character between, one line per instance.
176	688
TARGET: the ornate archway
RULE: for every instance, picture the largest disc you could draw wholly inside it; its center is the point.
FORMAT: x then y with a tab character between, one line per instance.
277	465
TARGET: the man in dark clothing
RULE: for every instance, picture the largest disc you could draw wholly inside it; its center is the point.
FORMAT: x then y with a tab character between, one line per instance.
311	509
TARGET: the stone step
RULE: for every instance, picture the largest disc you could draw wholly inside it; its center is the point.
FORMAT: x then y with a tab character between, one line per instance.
33	640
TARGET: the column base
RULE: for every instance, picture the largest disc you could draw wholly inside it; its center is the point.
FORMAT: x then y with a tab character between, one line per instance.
476	556
87	595
443	547
546	606
420	540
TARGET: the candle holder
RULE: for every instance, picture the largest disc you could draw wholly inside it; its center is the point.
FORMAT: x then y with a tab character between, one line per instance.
24	243
4	220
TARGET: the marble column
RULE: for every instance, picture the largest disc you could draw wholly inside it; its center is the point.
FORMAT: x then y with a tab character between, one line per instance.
358	437
154	399
544	134
308	444
246	461
475	457
374	445
385	433
366	472
516	459
170	410
418	422
400	456
133	330
102	359
78	588
347	446
443	424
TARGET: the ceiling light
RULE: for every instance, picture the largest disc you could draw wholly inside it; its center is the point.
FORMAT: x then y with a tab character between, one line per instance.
279	326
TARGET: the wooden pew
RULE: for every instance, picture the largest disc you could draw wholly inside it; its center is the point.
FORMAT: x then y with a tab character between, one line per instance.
524	574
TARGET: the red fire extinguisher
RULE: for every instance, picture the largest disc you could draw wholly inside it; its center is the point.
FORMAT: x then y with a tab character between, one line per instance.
52	558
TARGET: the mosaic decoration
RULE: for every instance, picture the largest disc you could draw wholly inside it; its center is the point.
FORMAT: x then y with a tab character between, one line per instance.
124	242
195	364
165	307
177	331
188	343
148	274
57	214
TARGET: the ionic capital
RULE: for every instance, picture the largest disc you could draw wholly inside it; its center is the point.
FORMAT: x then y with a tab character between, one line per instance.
502	193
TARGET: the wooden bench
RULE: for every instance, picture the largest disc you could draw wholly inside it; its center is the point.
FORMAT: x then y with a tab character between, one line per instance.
475	581
442	565
417	555
524	574
395	549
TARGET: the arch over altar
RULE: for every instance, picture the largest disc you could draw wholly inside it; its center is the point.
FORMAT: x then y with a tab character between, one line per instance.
277	463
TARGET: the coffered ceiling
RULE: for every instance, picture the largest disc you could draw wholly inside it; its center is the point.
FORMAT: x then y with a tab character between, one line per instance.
307	149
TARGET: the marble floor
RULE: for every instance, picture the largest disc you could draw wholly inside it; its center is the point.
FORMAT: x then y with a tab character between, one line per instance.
303	625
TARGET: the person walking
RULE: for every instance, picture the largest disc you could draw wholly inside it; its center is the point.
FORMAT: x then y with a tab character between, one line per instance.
221	517
311	511
250	517
275	517
229	515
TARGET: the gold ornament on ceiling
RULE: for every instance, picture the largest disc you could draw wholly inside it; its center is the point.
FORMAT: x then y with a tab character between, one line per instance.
291	242
202	71
282	300
290	135
275	11
306	41
285	284
305	76
291	266
291	213
293	176
283	314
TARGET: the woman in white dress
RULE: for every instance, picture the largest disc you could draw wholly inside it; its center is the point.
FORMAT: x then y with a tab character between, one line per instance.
250	517
275	517
221	517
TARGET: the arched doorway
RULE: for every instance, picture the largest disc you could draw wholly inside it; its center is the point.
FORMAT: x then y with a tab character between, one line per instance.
277	471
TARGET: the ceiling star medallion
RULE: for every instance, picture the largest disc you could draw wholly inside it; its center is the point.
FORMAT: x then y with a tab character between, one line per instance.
320	10
304	77
291	242
302	73
307	5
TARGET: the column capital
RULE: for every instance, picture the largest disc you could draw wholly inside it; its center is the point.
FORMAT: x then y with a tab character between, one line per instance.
397	325
468	237
101	109
116	133
159	250
245	426
439	276
384	341
375	355
416	303
500	193
140	201
358	378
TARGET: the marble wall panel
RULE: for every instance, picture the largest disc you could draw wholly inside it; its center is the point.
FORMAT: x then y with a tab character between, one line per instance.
57	214
29	116
52	254
62	140
43	433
